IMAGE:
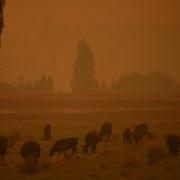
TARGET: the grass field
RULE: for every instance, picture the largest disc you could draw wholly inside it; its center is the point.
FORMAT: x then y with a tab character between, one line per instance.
76	115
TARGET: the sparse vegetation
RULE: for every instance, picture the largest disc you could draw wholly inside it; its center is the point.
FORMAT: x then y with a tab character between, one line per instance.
155	153
112	159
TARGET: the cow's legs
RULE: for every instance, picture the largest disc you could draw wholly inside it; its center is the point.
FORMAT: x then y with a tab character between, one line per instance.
74	150
140	141
65	155
93	149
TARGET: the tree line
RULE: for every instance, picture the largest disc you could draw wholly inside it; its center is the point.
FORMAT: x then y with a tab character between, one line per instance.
84	79
43	85
149	83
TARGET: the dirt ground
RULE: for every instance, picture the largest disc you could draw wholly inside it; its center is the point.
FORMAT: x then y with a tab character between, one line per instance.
69	116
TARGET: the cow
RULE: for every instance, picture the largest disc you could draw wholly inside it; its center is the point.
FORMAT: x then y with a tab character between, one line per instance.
3	146
30	152
127	136
106	131
91	140
173	144
47	132
140	131
64	144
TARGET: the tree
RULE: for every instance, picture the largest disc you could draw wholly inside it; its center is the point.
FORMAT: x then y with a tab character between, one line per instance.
2	5
50	84
152	82
21	83
45	84
84	75
104	87
159	82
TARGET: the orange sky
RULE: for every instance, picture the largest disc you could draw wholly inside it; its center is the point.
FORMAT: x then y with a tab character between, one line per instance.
126	36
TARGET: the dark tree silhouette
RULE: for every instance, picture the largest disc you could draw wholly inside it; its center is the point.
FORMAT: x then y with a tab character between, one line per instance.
84	75
45	84
50	84
2	5
21	83
104	87
152	82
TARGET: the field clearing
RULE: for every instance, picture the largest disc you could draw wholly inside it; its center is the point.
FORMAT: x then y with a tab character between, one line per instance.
75	116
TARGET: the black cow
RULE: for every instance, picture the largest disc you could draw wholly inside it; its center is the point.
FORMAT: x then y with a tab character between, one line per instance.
127	136
91	140
63	145
3	146
173	144
106	131
47	132
30	152
140	131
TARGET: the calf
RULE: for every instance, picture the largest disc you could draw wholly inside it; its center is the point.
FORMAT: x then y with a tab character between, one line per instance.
106	131
173	144
91	140
47	132
140	131
63	145
127	136
3	146
30	152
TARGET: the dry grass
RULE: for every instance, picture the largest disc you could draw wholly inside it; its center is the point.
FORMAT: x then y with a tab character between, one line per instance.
156	153
113	160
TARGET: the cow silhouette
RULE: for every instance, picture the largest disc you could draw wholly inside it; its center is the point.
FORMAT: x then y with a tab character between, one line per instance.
127	136
106	131
64	144
140	131
173	144
30	152
3	146
47	132
91	140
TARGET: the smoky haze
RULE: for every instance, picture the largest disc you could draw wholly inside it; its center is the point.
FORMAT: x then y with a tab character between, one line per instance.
125	36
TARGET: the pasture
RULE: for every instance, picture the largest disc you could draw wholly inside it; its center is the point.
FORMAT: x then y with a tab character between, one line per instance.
22	118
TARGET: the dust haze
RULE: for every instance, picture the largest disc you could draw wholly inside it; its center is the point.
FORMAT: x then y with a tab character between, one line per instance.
126	36
90	89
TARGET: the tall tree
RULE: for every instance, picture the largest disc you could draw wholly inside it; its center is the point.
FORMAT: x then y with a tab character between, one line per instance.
2	5
84	75
104	87
21	83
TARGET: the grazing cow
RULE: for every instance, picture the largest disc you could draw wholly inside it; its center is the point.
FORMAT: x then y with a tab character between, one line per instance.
63	145
140	131
91	140
30	152
3	146
106	131
47	132
127	136
173	144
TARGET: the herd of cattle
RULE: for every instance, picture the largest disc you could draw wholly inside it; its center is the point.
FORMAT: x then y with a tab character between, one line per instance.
31	151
